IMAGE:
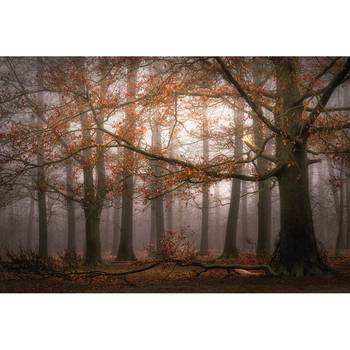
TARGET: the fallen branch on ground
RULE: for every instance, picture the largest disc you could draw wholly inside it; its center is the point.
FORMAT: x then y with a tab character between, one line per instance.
238	268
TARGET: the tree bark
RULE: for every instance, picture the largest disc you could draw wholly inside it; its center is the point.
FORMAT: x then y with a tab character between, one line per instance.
91	210
264	201
71	246
116	225
244	216
297	252
230	245
157	206
29	244
41	176
205	193
126	250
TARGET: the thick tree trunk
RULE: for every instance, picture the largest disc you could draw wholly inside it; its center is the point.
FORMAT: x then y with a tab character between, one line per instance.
297	252
92	230
71	246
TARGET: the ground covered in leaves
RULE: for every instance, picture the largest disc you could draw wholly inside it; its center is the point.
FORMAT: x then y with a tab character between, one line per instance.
166	277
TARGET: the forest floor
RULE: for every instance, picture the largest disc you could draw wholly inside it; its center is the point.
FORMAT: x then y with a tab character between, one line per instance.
169	278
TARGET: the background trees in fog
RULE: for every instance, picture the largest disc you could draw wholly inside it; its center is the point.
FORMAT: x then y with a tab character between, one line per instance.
106	156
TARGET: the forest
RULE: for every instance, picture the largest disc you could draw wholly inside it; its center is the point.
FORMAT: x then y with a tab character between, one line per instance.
174	174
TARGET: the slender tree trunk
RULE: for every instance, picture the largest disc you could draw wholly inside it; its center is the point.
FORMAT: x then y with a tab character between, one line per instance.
71	246
91	210
41	185
296	252
264	201
244	214
157	219
338	205
126	250
169	212
230	245
322	222
205	220
264	220
153	232
339	243
180	211
205	193
218	233
116	225
347	185
41	177
29	244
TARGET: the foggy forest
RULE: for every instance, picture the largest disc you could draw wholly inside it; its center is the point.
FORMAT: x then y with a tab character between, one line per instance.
170	174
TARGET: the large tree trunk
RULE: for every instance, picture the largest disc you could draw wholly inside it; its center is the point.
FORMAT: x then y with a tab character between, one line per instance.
92	230
71	246
296	252
230	245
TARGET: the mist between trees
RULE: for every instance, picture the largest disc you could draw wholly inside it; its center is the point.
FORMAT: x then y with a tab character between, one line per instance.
108	156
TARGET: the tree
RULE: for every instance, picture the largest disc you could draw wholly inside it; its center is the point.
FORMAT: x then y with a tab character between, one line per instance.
126	251
230	245
205	193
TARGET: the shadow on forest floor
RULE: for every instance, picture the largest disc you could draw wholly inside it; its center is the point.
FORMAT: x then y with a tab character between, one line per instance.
169	278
